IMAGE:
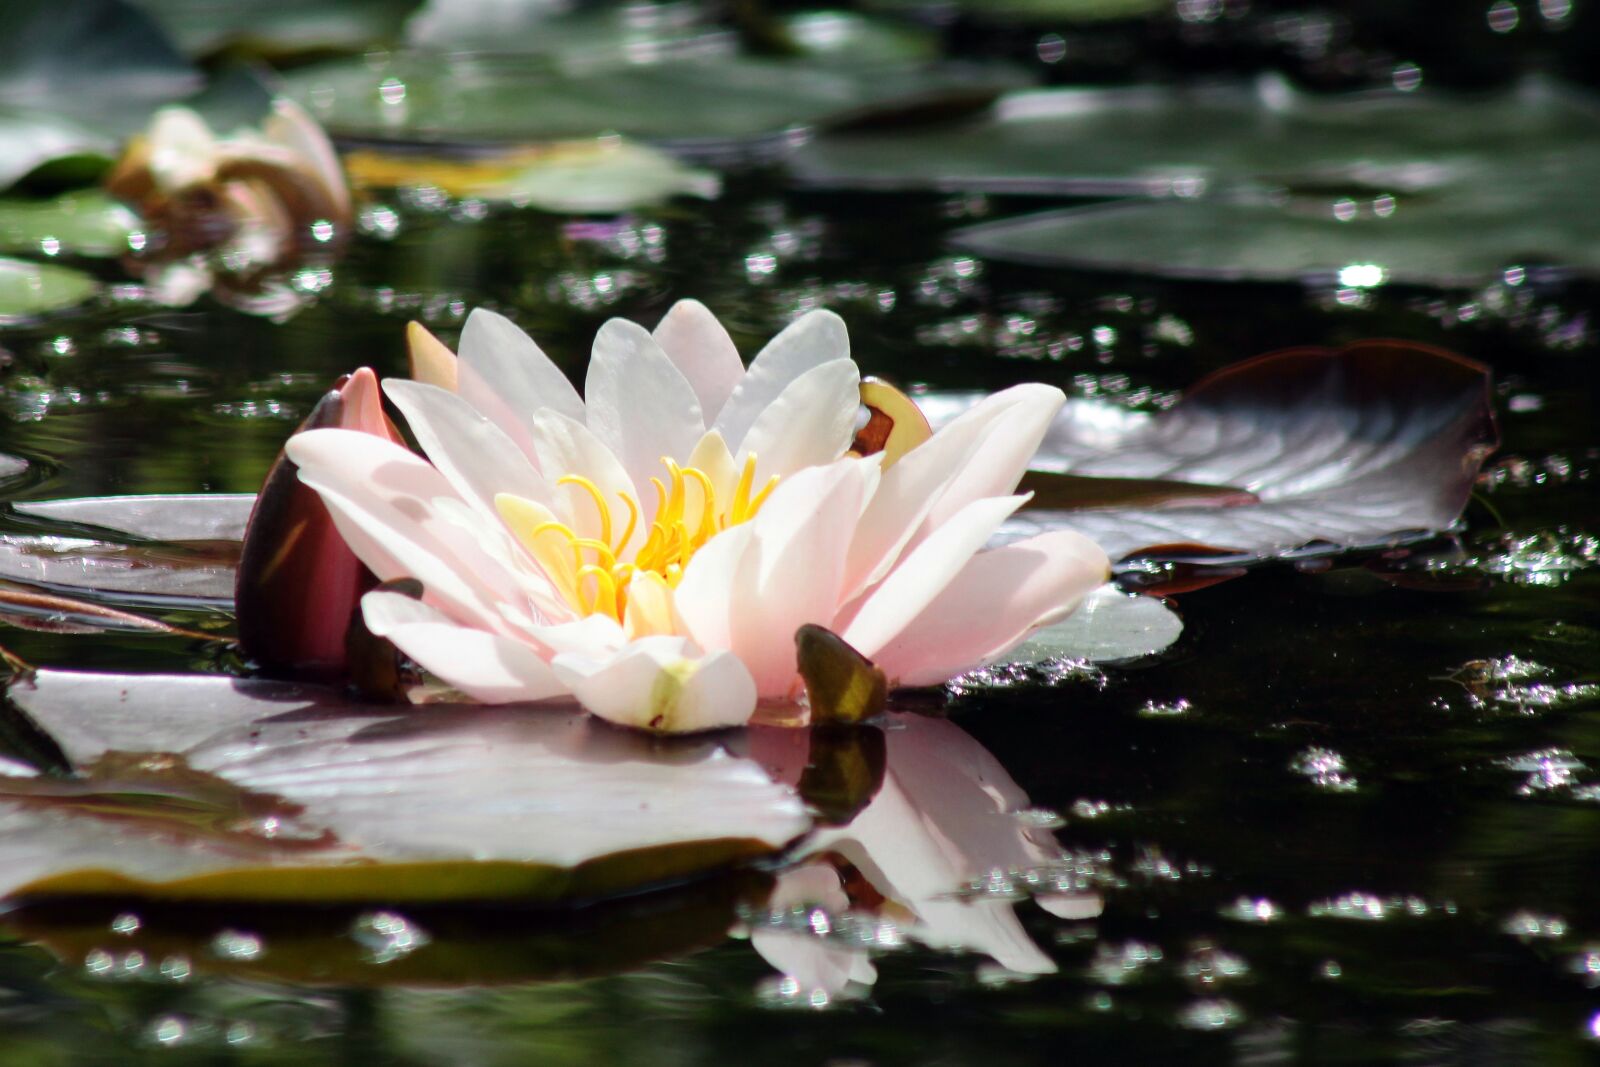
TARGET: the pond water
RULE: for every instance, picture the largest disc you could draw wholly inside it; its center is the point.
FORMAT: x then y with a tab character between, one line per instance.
1351	816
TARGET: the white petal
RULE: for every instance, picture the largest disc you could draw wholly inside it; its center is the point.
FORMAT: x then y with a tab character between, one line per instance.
700	347
659	684
721	573
501	367
639	404
565	446
485	666
924	573
813	339
381	499
810	423
999	597
472	452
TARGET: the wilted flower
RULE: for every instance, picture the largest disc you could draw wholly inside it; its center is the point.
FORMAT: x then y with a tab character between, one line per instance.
235	213
651	548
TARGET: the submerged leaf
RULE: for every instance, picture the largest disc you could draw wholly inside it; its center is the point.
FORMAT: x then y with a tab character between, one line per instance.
430	947
32	290
419	804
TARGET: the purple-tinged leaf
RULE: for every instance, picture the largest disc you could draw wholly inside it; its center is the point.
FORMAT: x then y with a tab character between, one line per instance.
1370	445
418	804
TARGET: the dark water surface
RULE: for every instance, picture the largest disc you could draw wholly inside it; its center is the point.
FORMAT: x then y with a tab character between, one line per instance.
1342	820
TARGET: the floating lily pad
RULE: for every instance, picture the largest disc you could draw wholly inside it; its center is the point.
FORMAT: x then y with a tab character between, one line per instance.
214	788
139	549
278	28
1161	141
603	175
1109	626
715	104
1466	238
74	224
32	290
78	75
1370	445
1025	11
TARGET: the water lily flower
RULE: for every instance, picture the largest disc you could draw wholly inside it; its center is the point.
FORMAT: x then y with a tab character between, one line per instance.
650	548
232	213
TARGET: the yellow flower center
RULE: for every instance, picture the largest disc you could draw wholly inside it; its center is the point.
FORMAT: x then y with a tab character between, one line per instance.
596	574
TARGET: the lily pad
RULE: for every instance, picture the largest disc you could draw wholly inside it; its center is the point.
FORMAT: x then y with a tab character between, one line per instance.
1110	626
78	75
1374	444
604	175
1468	237
277	28
213	788
1164	141
75	224
714	105
138	549
32	290
1028	11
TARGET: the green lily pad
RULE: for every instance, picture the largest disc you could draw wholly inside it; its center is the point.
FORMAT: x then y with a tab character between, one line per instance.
1110	626
1470	237
1028	11
32	290
76	76
1165	141
277	28
85	223
214	788
600	176
714	104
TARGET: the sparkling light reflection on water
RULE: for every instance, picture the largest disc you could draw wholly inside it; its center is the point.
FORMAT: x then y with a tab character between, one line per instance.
1340	812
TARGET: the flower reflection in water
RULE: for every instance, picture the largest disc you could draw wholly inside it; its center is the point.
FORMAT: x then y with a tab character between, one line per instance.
932	858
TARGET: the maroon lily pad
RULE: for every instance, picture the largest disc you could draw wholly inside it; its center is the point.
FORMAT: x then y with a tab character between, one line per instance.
1302	452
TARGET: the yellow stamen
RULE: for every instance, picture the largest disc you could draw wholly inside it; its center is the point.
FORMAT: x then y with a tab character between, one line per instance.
599	501
633	520
590	573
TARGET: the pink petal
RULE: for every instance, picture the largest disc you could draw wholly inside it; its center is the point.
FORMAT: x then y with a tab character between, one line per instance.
381	499
485	666
701	349
800	540
994	439
996	600
924	572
